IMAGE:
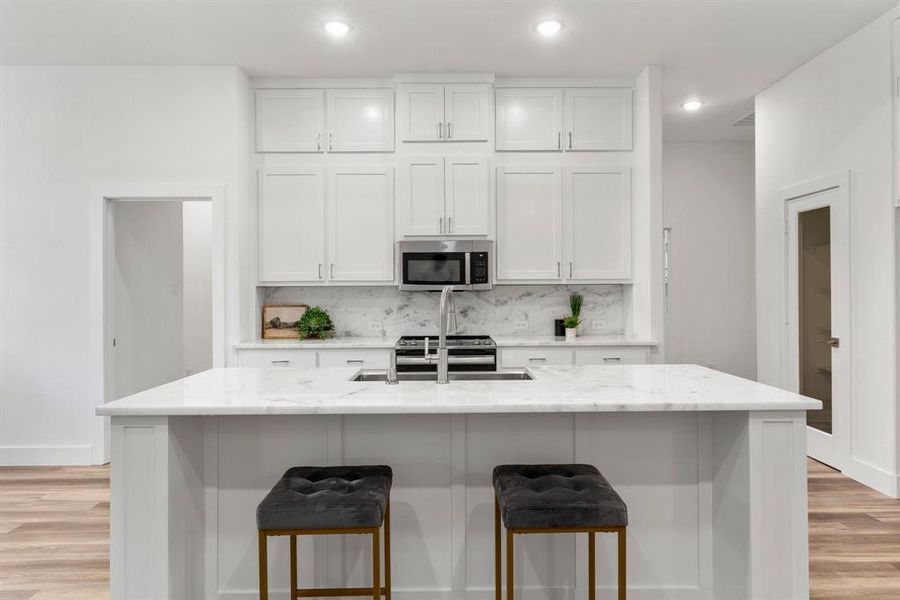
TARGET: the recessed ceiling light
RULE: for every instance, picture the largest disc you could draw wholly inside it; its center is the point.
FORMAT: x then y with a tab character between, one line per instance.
551	27
337	28
692	105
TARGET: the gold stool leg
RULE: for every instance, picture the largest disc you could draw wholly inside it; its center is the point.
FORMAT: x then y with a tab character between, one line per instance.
387	552
497	552
263	568
510	594
376	565
293	567
622	564
592	565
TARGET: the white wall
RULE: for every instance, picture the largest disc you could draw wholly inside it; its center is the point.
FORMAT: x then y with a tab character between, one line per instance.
197	246
834	114
147	295
708	201
66	130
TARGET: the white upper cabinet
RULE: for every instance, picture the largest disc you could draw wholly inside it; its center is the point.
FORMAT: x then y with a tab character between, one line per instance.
467	184
533	119
529	119
291	218
430	112
529	224
444	196
360	120
467	112
597	203
598	119
421	112
290	120
422	196
361	224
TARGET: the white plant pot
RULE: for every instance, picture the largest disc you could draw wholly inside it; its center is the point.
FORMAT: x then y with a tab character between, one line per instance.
571	333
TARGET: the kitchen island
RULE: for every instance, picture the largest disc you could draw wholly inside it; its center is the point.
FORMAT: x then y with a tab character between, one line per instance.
712	468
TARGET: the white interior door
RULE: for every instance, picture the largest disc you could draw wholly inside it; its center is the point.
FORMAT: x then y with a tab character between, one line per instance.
818	311
467	184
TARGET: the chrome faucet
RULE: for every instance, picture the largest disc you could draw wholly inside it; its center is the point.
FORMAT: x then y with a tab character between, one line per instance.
391	378
446	309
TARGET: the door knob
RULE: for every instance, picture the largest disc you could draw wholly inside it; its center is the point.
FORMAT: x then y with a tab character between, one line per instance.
833	342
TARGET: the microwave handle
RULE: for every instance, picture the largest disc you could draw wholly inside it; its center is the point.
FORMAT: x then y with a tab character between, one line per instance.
468	268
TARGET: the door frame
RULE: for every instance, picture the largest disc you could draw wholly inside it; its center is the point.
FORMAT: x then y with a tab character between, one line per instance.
832	191
101	224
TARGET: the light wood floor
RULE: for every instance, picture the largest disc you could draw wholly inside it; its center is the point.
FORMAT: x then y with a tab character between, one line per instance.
54	535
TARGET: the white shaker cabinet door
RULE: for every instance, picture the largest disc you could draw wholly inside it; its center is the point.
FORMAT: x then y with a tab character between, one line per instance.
529	119
360	120
598	119
421	112
290	120
467	109
467	196
529	224
291	217
361	223
598	217
422	196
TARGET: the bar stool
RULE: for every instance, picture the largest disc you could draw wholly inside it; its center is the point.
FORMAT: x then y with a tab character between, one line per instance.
328	501
556	499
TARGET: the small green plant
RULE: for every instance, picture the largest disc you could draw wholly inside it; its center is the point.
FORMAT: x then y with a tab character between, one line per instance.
574	320
315	324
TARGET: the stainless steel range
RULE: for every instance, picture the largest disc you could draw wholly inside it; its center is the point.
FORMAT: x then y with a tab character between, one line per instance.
464	353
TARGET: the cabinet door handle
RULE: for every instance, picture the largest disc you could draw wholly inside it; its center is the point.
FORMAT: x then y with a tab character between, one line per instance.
320	270
332	270
355	361
449	224
570	268
537	359
318	142
330	142
282	361
558	269
449	130
440	130
612	358
440	224
570	140
559	140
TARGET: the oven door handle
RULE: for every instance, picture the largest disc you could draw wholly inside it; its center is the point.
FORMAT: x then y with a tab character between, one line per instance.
452	360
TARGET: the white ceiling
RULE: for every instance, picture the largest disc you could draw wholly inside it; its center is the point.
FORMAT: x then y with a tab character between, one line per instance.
722	51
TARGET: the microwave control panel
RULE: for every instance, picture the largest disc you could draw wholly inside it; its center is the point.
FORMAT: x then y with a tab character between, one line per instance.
479	263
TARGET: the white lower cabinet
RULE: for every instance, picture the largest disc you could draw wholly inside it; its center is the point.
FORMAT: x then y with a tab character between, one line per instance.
512	358
274	357
611	356
365	358
361	224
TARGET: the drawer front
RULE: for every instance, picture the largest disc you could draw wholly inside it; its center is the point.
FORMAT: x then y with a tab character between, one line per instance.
368	358
534	357
611	356
265	358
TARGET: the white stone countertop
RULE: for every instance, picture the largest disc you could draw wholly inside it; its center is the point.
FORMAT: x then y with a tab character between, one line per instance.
503	341
614	388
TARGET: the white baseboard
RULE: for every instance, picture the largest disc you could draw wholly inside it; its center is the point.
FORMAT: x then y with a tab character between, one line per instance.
874	477
33	456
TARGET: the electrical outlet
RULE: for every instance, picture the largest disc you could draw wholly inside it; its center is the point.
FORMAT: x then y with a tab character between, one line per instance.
521	325
598	324
374	325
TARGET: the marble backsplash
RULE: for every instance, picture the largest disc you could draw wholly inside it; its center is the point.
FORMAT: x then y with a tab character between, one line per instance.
494	312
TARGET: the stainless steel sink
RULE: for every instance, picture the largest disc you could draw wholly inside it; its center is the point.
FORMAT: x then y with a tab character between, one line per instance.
454	376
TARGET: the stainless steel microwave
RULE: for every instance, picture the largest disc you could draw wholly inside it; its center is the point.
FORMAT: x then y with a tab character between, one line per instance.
429	265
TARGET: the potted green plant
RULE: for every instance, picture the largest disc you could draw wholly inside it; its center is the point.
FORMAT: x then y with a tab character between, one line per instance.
572	321
315	324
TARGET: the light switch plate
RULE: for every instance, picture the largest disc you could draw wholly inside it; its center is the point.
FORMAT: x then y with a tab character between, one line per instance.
521	325
599	324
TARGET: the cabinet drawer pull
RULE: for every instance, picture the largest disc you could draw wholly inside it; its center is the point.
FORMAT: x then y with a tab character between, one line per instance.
537	359
355	361
612	358
281	361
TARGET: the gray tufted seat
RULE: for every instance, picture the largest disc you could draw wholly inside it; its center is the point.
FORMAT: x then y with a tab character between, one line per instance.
557	496
327	498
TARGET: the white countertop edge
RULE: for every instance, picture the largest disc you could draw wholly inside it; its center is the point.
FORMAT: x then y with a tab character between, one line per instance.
503	341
